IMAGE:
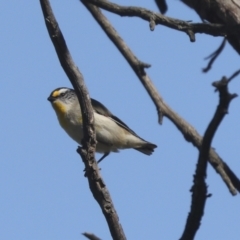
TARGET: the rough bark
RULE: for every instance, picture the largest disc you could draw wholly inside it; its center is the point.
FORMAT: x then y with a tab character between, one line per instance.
96	182
219	11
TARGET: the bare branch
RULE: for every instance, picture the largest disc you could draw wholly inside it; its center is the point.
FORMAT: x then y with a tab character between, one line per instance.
199	189
214	56
225	12
137	65
189	133
96	183
234	75
189	28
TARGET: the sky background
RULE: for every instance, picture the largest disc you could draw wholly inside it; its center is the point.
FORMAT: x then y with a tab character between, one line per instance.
43	193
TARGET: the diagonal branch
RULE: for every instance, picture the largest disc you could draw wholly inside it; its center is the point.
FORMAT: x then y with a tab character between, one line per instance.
155	18
189	133
96	183
199	189
234	75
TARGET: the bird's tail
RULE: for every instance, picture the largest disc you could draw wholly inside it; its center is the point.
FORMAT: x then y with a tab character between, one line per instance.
147	148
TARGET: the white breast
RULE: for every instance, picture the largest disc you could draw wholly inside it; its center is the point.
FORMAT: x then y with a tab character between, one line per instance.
110	136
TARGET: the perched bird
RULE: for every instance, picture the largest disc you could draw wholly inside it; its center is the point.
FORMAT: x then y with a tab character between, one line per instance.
111	133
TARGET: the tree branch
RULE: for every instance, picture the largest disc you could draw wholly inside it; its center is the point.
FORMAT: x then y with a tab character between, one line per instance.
96	183
189	133
225	12
199	189
189	28
213	56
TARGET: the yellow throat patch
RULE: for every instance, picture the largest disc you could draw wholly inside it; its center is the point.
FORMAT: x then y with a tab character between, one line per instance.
60	110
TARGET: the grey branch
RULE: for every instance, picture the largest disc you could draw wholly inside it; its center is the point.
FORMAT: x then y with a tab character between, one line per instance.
189	28
96	183
199	188
213	56
225	12
188	132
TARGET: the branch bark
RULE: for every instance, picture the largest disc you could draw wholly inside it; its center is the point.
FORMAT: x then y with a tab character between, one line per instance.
189	133
199	189
96	183
155	18
225	12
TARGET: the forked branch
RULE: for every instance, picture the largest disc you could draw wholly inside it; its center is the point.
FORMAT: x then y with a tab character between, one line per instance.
199	188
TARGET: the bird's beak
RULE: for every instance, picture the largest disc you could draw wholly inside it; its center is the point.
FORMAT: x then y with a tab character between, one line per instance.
51	98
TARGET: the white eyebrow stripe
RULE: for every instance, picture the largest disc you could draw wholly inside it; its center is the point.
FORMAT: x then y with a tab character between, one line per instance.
57	92
62	90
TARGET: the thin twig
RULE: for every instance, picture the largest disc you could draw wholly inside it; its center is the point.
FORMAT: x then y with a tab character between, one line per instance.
234	75
96	183
199	189
213	56
189	133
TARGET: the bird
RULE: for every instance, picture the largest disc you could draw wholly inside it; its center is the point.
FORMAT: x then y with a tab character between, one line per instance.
112	134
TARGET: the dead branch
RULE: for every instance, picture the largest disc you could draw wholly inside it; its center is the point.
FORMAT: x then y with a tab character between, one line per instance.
225	12
234	75
199	188
213	56
189	28
96	183
189	133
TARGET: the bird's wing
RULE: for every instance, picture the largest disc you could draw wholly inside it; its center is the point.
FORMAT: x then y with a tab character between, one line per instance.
101	109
